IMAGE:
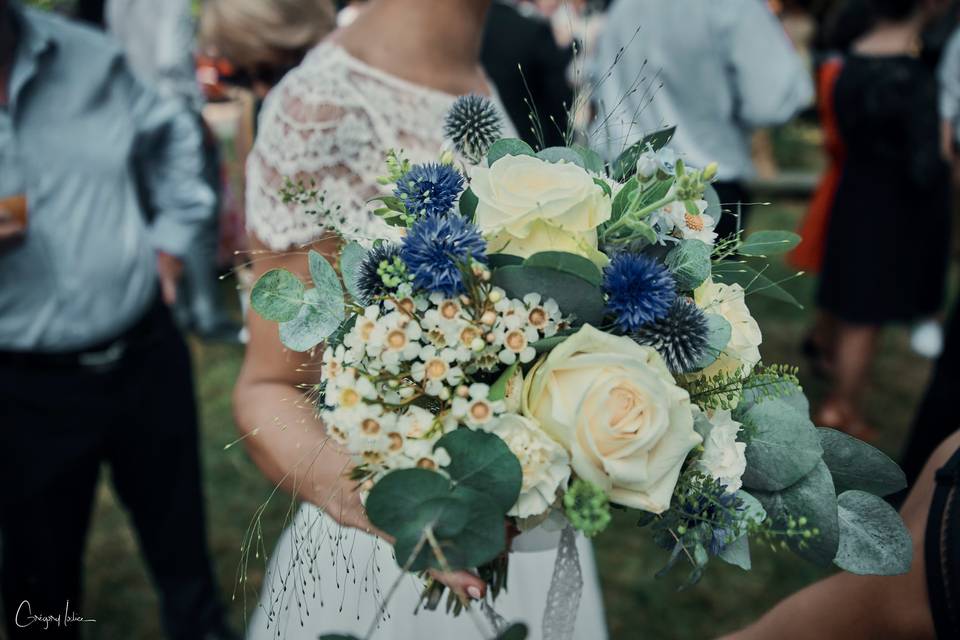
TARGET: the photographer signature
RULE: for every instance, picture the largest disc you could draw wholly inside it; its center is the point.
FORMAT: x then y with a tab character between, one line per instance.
26	618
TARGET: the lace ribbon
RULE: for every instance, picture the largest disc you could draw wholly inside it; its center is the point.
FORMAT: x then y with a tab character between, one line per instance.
563	598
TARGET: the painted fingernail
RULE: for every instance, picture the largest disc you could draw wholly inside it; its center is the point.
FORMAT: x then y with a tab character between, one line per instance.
474	593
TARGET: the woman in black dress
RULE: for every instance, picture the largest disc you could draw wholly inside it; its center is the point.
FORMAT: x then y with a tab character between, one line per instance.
887	240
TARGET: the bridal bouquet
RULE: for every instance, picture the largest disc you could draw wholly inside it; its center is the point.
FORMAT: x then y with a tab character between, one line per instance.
553	338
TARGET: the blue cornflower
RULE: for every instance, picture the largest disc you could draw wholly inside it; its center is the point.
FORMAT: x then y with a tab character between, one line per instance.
429	189
437	247
639	290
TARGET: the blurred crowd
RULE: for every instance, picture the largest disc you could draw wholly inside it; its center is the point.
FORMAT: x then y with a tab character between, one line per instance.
121	207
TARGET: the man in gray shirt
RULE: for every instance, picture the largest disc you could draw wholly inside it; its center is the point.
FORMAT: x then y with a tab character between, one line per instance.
717	69
92	370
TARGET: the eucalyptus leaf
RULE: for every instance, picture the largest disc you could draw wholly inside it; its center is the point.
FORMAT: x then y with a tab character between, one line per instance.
753	282
768	243
626	163
278	295
516	631
324	276
350	260
783	446
714	208
497	260
873	537
690	263
319	317
568	263
545	345
573	294
562	154
737	553
498	390
468	204
508	147
483	462
814	498
652	193
719	332
591	159
856	465
751	507
621	201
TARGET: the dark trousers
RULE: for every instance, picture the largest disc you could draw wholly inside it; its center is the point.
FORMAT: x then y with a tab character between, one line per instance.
58	424
937	417
731	195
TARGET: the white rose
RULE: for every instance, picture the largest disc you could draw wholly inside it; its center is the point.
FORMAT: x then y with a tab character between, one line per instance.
527	205
728	301
615	407
723	457
545	464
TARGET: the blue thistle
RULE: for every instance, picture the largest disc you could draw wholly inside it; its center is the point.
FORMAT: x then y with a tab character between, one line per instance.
680	337
639	290
473	125
436	248
429	189
381	259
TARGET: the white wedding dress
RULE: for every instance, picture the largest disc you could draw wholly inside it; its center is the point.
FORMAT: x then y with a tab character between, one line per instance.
329	122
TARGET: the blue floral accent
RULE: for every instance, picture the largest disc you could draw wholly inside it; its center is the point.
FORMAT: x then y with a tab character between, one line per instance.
639	290
429	189
437	247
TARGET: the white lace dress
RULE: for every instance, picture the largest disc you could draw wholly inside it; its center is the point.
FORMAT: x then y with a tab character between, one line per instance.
328	123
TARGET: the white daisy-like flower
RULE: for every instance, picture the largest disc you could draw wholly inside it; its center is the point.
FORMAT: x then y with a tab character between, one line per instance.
545	464
689	226
415	422
476	409
395	339
435	369
332	363
421	454
542	315
349	390
516	337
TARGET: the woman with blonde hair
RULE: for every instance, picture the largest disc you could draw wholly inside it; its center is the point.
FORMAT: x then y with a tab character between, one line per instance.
383	82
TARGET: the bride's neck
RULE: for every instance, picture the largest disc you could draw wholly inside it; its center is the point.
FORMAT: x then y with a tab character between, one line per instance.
446	33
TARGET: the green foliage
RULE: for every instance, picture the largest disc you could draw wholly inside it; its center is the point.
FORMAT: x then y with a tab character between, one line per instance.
350	260
591	159
278	295
468	204
319	317
856	465
498	390
483	462
718	337
587	507
739	389
508	147
621	202
516	631
873	537
567	263
562	154
752	281
813	500
308	197
575	295
397	167
690	263
626	163
783	446
768	243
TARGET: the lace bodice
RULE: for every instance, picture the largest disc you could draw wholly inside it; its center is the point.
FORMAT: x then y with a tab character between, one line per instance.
328	123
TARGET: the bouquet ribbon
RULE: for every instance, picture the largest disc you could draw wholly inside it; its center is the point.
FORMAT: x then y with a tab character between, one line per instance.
563	598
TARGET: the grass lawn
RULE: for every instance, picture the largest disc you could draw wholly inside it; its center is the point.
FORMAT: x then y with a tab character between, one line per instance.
121	598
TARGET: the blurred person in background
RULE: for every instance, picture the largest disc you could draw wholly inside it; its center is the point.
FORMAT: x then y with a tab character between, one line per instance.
736	71
529	70
158	39
885	100
386	81
922	604
92	368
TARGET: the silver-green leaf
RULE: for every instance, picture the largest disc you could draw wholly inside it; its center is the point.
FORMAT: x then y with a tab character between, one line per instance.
873	537
278	295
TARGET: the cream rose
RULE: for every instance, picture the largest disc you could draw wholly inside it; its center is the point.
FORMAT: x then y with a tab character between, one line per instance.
615	407
724	458
728	301
527	205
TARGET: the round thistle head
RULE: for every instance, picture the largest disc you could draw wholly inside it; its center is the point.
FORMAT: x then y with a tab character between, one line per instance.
473	124
639	289
429	189
437	249
380	272
680	337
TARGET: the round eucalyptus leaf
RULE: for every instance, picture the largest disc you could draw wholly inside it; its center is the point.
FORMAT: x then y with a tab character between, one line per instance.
591	159
814	498
508	147
873	537
573	294
468	204
350	260
690	263
516	631
319	317
562	154
324	276
768	243
719	332
784	445
278	295
483	462
568	263
856	465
